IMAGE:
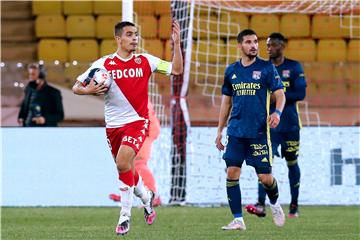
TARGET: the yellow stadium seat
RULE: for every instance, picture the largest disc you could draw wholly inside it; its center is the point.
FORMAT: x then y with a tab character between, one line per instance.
148	25
107	7
80	26
331	50
231	23
84	50
233	52
263	49
324	26
168	53
154	47
71	72
162	8
350	26
78	7
212	51
295	25
47	7
265	24
53	49
144	8
303	50
353	51
205	27
165	25
50	26
105	25
107	46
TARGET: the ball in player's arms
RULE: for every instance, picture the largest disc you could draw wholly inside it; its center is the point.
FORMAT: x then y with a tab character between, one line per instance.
100	76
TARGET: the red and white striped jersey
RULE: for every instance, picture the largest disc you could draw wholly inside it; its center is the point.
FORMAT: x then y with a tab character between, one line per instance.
127	98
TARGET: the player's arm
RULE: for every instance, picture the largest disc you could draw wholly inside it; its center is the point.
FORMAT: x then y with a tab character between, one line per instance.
90	89
177	61
226	104
298	91
277	89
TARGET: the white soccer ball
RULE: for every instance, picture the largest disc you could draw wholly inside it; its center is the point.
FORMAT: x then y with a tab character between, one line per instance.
100	76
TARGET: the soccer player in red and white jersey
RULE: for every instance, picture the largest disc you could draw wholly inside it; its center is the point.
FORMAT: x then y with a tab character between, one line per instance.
126	111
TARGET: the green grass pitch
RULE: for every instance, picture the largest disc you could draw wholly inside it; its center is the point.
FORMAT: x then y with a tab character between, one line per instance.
315	222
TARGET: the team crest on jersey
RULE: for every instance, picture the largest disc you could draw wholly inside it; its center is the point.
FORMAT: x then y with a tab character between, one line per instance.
286	73
256	75
138	60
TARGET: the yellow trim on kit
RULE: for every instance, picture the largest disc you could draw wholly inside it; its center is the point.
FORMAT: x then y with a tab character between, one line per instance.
297	110
268	127
291	163
163	67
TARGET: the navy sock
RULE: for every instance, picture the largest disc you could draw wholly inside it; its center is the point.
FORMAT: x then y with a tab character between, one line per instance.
261	194
272	191
294	180
234	197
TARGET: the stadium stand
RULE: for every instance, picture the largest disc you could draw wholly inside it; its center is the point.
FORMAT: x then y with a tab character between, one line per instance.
295	25
47	7
107	46
50	26
303	50
80	26
106	20
78	7
329	56
53	49
83	50
265	24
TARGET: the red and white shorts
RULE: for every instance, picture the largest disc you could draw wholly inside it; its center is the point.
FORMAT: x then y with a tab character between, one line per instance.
132	134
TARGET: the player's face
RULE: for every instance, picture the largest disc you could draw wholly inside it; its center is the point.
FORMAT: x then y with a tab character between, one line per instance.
129	39
275	48
249	46
33	73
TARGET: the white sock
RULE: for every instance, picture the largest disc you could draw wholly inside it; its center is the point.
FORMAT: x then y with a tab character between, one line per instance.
241	219
141	191
127	196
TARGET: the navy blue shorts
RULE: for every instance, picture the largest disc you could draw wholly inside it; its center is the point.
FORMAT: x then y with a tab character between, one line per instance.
255	151
289	142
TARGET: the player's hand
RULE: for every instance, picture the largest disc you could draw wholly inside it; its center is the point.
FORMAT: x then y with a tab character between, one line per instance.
39	120
20	121
176	32
218	143
99	89
274	120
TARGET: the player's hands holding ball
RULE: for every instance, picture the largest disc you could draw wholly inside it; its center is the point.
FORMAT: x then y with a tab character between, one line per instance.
96	89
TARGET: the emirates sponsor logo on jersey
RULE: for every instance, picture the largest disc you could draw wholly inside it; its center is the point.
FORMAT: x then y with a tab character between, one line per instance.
127	73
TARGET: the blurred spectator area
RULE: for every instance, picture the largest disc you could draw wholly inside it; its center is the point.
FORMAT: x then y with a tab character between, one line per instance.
68	35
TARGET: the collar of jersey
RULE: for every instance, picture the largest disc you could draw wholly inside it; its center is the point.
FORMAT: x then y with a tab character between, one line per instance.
124	59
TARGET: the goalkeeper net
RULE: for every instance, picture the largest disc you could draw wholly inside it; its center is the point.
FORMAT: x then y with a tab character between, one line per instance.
209	45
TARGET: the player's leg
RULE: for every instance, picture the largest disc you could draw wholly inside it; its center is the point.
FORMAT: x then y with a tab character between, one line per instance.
261	159
126	176
234	157
291	153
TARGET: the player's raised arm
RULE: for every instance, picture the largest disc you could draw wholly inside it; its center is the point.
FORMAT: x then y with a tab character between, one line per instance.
177	61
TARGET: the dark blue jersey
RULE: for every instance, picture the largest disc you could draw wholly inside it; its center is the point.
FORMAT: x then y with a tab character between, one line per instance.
250	89
293	79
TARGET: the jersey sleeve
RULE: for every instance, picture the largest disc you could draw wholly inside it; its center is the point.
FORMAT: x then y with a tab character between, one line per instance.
298	91
158	65
273	79
226	88
97	64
